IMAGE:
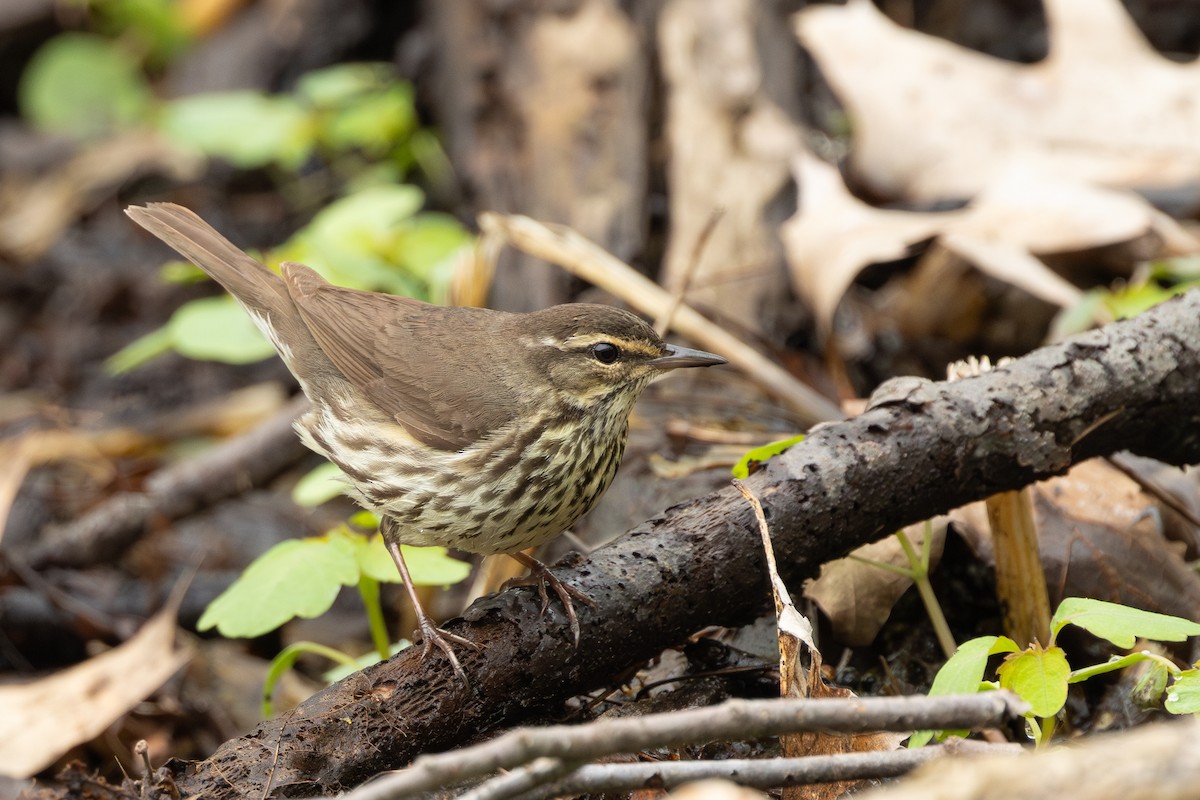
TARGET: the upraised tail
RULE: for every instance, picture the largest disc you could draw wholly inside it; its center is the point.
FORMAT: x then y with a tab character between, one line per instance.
255	286
261	292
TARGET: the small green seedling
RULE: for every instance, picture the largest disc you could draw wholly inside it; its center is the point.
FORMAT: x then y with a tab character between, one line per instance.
917	571
302	578
1040	675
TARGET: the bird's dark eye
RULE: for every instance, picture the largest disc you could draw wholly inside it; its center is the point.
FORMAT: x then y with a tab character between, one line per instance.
605	352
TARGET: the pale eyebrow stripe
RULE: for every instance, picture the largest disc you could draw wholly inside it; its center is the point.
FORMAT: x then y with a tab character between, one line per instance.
628	345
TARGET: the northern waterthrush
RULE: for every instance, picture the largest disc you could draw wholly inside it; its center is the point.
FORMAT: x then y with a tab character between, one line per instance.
479	430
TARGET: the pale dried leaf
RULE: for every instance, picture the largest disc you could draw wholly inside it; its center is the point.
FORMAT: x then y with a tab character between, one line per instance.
42	719
833	236
1010	262
933	120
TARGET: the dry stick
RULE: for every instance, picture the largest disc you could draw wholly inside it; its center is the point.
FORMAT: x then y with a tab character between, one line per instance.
735	719
685	429
17	458
228	469
563	246
520	782
758	773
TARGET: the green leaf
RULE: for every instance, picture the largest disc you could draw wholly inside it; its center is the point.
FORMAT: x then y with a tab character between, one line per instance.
428	244
333	86
365	520
758	455
963	673
374	122
1081	316
350	241
297	578
84	86
156	26
1119	624
1179	269
1133	300
320	485
1184	695
1039	677
248	129
429	566
217	329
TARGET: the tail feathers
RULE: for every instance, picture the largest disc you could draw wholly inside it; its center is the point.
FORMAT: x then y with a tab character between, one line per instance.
261	292
255	286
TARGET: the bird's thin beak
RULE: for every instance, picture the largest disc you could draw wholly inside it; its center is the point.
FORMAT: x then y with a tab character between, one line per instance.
685	357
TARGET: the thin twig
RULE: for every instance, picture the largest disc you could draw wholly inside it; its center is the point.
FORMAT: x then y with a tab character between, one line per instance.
761	773
736	719
519	782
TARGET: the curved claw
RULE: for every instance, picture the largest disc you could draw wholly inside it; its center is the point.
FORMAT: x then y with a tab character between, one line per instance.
541	574
433	636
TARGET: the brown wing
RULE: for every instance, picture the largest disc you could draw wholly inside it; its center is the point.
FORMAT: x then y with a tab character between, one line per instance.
406	357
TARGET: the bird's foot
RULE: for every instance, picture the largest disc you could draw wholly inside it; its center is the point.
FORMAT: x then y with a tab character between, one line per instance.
432	636
540	575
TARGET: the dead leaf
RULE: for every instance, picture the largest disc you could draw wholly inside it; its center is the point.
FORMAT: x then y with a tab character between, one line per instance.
1098	537
42	719
833	235
933	120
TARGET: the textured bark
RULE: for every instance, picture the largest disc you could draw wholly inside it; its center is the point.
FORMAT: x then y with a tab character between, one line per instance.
921	449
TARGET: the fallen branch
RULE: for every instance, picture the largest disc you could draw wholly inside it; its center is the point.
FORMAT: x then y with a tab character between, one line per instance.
759	773
919	450
228	469
735	719
1160	761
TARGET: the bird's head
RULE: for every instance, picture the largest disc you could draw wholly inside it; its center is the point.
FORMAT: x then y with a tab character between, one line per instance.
596	356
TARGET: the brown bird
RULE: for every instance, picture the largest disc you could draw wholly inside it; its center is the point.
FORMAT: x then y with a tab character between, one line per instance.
467	428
